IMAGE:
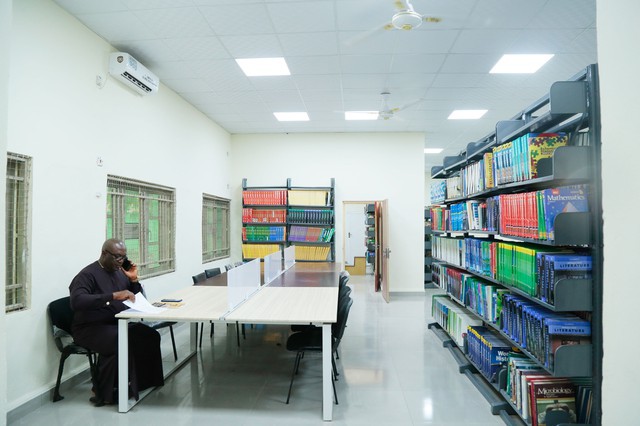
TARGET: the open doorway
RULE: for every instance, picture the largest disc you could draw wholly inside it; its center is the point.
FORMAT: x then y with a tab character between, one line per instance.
365	241
354	237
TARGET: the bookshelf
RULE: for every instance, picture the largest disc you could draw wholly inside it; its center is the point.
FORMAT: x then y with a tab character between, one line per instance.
370	232
513	208
276	217
428	258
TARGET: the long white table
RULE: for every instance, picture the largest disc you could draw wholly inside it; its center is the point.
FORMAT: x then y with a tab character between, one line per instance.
277	303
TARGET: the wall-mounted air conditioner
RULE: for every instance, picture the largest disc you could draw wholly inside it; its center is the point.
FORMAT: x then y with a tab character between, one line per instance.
132	73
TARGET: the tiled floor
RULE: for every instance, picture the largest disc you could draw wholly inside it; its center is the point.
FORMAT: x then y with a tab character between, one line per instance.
393	371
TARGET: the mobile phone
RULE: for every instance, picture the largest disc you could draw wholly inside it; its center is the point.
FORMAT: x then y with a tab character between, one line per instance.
126	264
171	300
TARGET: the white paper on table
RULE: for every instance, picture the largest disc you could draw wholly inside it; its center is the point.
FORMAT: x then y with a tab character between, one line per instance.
142	305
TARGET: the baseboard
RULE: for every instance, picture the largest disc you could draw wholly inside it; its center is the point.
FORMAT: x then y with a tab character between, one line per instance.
406	293
13	416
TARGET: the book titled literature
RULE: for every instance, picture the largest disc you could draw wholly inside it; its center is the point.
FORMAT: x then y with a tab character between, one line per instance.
564	266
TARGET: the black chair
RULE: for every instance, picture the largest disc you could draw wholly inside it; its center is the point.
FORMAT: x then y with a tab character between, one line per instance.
211	272
61	316
228	266
197	279
157	325
311	341
239	263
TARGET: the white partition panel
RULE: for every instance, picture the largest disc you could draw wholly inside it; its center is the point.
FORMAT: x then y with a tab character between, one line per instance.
289	257
242	282
272	266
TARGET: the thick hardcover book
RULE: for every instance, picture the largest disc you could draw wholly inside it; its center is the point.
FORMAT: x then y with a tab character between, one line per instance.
554	402
565	199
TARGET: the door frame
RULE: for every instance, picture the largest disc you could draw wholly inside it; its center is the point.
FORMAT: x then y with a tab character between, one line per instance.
344	225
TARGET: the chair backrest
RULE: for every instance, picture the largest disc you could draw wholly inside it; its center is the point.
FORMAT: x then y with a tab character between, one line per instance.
212	272
337	330
239	263
344	279
228	266
61	316
199	278
343	295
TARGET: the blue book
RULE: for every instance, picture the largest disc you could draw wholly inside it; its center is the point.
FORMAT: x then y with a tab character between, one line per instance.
565	266
565	199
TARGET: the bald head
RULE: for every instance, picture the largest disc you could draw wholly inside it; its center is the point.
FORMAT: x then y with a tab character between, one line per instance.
113	254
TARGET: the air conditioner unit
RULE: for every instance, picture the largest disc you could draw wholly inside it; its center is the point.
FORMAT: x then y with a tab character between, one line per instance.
132	73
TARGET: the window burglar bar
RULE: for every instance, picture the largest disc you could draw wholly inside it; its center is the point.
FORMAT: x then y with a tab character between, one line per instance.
18	188
143	215
215	228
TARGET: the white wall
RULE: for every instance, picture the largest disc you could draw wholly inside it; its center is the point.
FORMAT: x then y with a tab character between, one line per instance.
64	121
5	37
366	166
618	37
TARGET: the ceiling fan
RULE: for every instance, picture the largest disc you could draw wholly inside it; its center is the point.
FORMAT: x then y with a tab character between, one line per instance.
386	112
406	18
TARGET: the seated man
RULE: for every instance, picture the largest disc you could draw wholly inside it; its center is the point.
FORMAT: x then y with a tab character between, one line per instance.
97	295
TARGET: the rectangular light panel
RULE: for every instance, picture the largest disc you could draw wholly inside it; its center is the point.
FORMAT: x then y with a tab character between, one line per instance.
259	67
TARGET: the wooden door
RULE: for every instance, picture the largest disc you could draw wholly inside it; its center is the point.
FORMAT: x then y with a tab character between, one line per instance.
383	251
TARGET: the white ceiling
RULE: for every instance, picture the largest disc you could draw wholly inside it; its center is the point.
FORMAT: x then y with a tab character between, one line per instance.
341	59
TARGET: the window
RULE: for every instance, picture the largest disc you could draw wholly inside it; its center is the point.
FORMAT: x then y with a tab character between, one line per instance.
215	228
17	231
143	216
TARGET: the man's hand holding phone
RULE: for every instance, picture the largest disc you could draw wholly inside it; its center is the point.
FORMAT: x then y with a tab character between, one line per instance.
130	269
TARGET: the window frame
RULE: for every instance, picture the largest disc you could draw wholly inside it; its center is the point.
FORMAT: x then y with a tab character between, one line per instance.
210	249
18	220
143	208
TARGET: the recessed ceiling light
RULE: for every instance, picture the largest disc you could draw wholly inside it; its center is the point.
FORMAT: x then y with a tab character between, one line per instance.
519	64
291	116
467	114
361	115
433	150
258	67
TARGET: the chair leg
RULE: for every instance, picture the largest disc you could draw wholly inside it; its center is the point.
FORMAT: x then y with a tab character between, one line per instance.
211	331
201	331
56	392
238	333
93	369
244	336
335	369
296	363
173	343
335	394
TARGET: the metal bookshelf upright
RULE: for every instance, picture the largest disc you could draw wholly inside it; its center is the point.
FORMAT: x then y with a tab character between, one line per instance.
571	107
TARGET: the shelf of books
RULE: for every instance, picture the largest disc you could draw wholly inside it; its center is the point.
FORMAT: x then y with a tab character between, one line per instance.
517	224
276	217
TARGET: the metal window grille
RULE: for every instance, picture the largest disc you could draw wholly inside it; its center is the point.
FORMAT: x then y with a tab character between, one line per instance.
215	228
143	216
17	232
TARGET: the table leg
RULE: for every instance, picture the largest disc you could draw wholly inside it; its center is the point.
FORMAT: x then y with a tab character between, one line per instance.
123	365
327	388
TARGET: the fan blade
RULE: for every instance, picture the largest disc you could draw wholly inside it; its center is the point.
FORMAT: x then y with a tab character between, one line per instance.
432	19
405	106
367	34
